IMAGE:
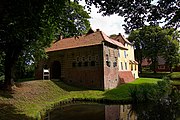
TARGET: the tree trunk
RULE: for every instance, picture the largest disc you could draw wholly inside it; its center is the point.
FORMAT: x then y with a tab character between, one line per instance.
170	68
140	67
154	65
8	83
10	60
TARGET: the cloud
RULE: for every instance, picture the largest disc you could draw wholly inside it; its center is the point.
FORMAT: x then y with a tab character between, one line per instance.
108	24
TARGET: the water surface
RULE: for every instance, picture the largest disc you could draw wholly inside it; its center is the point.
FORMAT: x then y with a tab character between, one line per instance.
92	111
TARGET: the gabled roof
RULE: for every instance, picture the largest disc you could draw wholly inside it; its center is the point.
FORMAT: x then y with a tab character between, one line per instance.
95	38
107	39
120	36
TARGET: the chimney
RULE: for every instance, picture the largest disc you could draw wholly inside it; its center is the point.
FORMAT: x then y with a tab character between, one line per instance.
97	30
60	37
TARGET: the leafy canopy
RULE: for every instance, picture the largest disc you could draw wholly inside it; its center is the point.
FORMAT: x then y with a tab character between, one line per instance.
153	41
27	27
138	13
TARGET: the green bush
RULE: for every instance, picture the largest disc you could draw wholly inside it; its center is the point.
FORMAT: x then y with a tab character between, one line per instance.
149	92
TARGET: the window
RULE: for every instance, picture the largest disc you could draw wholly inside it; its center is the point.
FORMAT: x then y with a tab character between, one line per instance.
161	67
131	66
118	53
108	63
83	58
121	66
125	65
77	59
115	62
74	64
125	54
135	66
92	63
107	57
80	64
89	58
86	63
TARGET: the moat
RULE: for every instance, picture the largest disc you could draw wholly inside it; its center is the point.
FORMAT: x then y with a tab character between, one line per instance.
93	111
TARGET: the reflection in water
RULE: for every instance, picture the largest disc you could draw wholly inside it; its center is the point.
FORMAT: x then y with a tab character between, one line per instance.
78	112
158	111
119	112
92	112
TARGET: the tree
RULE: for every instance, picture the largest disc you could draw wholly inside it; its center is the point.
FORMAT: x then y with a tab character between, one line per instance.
153	44
1	64
139	12
135	38
27	27
171	53
153	41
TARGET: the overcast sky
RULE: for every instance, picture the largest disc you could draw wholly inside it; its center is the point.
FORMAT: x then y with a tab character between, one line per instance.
108	24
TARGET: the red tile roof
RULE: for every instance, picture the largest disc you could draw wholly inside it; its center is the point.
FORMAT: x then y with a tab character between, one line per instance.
82	41
145	62
120	36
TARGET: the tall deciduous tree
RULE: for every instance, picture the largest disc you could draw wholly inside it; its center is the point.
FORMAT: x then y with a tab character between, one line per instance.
27	27
153	41
171	52
135	38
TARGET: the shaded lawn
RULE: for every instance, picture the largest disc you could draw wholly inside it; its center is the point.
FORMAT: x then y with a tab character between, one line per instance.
31	99
159	75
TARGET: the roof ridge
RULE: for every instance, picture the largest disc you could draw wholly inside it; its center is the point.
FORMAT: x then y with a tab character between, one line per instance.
101	34
126	40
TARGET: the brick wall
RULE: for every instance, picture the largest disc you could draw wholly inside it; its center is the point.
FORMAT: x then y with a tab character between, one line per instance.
79	66
112	112
110	66
119	112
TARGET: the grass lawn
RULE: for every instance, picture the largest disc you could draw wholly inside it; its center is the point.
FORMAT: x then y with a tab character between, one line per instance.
174	75
31	99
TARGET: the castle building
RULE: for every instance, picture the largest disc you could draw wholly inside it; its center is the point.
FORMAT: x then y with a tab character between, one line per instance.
93	60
